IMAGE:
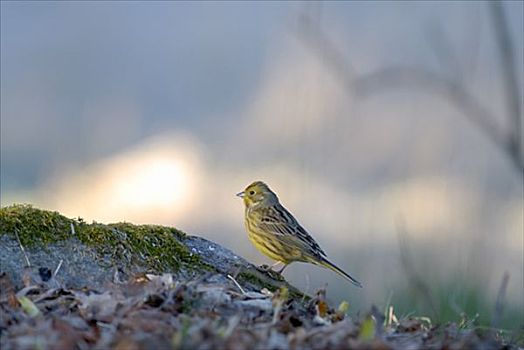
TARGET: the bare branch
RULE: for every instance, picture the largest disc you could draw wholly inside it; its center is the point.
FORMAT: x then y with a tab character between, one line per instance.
236	284
28	263
471	108
444	51
499	304
58	268
387	78
326	50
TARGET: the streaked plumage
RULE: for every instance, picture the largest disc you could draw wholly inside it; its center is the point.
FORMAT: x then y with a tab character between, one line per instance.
277	234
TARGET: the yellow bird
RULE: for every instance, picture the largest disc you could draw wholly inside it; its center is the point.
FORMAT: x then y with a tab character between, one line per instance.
277	234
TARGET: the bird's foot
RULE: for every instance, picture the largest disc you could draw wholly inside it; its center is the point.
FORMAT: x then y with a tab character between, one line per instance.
270	272
264	268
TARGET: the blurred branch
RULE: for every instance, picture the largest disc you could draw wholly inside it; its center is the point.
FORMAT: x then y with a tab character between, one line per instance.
325	49
499	304
509	71
449	88
444	51
472	109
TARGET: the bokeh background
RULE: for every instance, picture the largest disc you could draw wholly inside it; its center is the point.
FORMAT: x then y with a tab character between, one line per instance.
381	125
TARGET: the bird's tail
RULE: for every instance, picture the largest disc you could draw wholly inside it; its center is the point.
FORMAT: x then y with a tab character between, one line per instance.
328	264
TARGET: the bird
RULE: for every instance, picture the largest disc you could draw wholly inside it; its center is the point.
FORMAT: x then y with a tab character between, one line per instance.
276	233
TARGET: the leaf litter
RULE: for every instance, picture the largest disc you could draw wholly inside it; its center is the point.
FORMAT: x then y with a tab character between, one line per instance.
208	312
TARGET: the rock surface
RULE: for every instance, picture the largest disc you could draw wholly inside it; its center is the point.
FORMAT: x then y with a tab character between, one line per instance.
77	261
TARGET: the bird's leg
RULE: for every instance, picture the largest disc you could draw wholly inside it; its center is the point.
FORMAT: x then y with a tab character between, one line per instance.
276	263
282	269
267	268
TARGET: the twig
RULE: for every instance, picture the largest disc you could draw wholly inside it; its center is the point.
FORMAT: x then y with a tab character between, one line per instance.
26	290
58	268
391	319
22	249
388	310
236	283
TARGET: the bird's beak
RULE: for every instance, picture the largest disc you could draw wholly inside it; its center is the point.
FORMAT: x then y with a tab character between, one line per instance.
241	194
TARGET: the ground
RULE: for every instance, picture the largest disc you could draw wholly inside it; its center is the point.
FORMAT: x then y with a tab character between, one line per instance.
66	284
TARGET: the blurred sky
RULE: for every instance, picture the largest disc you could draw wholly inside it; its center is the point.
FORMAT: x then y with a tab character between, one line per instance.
159	112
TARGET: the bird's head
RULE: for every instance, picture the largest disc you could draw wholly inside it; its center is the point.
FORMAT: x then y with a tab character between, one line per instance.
258	194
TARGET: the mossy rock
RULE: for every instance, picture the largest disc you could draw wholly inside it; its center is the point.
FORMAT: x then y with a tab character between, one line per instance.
155	247
93	254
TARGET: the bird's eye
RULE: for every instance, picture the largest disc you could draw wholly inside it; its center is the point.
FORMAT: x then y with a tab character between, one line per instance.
251	192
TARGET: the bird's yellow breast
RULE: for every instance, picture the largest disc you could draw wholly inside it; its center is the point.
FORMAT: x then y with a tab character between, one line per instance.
266	242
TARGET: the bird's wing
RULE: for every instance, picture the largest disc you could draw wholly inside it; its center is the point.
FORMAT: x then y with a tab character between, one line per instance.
280	222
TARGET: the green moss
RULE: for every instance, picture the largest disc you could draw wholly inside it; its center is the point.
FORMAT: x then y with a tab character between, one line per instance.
157	247
34	226
249	277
